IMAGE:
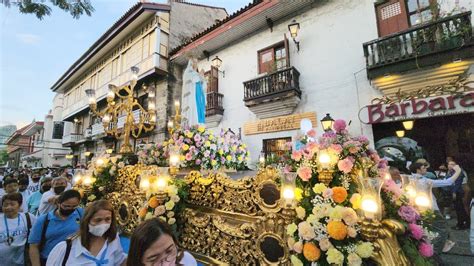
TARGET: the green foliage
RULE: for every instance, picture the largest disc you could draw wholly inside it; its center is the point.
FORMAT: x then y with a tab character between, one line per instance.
3	157
76	8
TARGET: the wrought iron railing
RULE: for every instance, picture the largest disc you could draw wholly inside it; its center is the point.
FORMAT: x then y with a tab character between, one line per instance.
438	36
281	81
214	104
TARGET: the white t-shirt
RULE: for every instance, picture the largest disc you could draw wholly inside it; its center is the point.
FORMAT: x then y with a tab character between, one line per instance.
114	254
45	206
33	187
26	195
13	254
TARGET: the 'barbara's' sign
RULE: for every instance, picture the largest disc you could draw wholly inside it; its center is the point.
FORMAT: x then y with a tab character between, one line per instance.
420	108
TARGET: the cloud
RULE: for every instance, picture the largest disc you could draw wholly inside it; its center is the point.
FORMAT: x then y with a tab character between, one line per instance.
28	38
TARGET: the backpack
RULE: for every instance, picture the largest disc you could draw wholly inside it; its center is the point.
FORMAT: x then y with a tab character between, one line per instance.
68	250
26	255
45	227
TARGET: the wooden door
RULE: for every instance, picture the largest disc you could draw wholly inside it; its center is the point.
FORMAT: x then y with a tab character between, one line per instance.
266	61
391	17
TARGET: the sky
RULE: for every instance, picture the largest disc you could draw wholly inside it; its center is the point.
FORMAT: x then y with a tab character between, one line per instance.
35	53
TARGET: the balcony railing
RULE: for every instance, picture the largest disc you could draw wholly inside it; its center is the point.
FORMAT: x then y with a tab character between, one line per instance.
72	138
272	85
214	104
442	35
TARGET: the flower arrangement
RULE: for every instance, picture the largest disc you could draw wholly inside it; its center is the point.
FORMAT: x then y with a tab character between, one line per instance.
169	207
199	148
417	240
99	178
326	230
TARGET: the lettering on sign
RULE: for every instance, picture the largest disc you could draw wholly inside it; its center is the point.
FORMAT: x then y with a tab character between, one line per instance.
281	123
420	108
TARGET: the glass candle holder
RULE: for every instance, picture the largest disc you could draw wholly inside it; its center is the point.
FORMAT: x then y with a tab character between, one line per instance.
371	203
288	187
423	198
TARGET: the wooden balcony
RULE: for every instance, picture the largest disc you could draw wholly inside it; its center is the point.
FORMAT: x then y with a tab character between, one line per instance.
214	109
214	104
433	43
274	94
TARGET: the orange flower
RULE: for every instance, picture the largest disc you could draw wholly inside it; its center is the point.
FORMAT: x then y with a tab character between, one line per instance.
339	194
142	212
337	230
311	252
153	202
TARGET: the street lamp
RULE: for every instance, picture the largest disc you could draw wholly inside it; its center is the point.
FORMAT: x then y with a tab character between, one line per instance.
408	125
127	105
400	133
294	27
327	123
217	62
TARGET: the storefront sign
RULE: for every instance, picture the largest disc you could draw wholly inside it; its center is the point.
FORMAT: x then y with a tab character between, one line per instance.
281	123
421	108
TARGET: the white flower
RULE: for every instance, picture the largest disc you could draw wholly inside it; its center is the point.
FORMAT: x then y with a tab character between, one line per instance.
160	210
291	242
354	260
306	231
175	198
171	221
298	247
325	244
148	216
121	165
170	214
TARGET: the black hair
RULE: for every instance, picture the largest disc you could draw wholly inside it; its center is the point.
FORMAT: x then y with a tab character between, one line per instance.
69	194
415	166
15	196
23	181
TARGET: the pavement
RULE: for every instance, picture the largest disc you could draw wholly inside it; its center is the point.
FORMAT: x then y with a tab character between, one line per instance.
460	254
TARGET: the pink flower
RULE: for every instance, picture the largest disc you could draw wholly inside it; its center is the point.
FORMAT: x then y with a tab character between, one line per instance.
408	213
339	125
336	147
416	231
390	186
345	165
188	156
304	173
327	193
312	133
296	155
425	249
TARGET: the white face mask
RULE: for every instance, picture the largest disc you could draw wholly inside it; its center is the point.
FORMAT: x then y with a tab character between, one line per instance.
98	230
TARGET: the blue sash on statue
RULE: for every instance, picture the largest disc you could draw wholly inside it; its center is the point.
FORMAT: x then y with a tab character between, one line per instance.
200	103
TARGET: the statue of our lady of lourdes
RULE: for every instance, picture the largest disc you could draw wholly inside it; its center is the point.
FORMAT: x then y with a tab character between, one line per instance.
193	100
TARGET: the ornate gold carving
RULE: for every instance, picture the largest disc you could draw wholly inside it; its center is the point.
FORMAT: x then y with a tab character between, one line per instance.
384	237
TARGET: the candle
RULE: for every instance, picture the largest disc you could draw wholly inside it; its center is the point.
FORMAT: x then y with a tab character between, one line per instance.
176	103
324	159
288	195
87	180
145	184
100	162
161	183
369	206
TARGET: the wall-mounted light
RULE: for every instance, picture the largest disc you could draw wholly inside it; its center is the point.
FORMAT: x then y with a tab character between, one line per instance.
294	27
69	156
327	122
135	71
400	133
76	121
408	125
91	96
109	151
217	62
87	153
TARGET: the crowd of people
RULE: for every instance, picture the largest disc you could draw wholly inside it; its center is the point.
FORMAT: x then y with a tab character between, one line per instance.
42	223
451	187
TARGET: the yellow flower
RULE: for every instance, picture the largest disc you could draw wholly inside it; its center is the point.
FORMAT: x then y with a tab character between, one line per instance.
171	141
171	221
291	229
165	143
201	129
319	188
336	212
169	205
207	143
221	151
356	201
365	249
334	256
189	135
228	157
354	260
148	216
213	162
298	194
182	158
211	137
234	148
244	146
312	219
295	261
185	147
241	158
300	212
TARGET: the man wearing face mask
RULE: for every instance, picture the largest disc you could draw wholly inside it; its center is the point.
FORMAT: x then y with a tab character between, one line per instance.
97	242
55	226
35	198
25	193
34	185
48	200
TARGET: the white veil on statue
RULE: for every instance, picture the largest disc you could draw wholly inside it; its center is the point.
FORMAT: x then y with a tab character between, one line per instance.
193	99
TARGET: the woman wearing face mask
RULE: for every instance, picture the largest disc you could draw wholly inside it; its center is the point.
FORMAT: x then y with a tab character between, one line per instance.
48	200
153	243
35	198
96	244
55	226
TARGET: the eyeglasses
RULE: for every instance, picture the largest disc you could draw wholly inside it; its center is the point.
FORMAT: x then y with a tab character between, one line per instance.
69	207
167	257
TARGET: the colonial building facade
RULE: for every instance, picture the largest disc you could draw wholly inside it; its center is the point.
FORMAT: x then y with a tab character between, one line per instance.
24	146
140	38
344	56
